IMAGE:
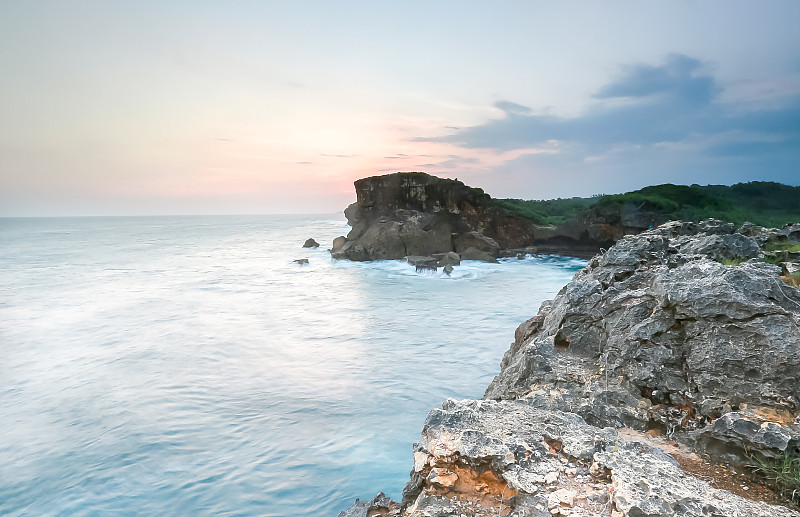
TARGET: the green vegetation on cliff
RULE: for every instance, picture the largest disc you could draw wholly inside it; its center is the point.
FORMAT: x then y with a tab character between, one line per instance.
551	211
764	203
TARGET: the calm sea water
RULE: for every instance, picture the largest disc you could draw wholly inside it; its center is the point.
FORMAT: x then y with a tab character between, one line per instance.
186	366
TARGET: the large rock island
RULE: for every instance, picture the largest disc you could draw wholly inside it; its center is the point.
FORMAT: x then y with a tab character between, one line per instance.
416	214
661	381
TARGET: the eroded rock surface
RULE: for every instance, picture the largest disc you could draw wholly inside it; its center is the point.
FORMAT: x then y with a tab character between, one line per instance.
656	334
403	214
510	458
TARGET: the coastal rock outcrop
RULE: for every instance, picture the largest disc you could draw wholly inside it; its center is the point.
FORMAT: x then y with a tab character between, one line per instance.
512	458
658	335
414	213
424	214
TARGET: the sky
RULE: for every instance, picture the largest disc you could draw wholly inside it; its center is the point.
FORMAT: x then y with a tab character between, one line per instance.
226	107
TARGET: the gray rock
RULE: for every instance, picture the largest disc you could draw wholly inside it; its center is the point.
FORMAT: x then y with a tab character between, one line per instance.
742	434
379	505
418	214
402	233
338	244
651	334
521	444
448	269
476	254
450	258
422	263
789	233
759	234
476	240
301	261
715	246
311	243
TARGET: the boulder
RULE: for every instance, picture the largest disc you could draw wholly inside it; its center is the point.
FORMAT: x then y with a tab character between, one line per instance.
301	261
759	234
447	270
379	505
450	258
338	244
476	240
422	260
423	263
737	434
311	243
476	254
789	233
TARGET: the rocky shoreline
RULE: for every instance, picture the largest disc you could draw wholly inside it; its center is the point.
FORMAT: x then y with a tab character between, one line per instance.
654	384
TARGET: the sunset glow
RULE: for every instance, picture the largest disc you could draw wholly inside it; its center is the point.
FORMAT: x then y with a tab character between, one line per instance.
266	107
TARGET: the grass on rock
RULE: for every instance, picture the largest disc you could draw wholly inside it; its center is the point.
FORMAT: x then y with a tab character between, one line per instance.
783	472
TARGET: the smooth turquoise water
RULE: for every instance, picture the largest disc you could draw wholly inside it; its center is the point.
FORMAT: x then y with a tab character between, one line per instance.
186	366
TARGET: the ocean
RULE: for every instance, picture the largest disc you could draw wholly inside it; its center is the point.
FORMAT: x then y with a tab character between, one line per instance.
187	366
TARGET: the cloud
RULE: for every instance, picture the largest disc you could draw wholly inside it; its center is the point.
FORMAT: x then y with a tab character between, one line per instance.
650	124
645	106
676	77
512	108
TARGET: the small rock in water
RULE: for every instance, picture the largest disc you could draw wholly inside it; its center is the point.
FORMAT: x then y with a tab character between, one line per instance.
338	243
448	269
311	243
301	261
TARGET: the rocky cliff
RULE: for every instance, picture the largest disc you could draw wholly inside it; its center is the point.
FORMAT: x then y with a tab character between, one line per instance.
413	213
650	386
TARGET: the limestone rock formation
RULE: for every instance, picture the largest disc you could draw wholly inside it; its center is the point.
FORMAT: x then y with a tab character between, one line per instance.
655	335
789	234
515	459
403	214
